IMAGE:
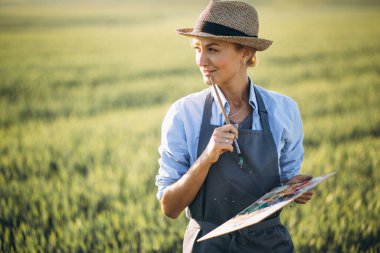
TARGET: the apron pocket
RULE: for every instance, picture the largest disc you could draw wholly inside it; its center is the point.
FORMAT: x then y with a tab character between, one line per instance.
272	239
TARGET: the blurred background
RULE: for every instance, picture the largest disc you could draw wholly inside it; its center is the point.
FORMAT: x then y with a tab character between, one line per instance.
84	86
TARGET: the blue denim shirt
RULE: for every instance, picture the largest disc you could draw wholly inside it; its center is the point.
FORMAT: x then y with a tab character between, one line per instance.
181	127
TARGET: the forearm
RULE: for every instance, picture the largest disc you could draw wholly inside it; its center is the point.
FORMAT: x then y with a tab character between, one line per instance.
180	194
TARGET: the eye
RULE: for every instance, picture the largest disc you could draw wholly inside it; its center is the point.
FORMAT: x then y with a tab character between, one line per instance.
213	50
196	48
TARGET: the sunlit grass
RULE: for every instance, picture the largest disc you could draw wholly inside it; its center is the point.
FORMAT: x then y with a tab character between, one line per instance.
83	91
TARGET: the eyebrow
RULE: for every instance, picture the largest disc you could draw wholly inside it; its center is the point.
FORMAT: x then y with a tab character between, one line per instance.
212	44
207	45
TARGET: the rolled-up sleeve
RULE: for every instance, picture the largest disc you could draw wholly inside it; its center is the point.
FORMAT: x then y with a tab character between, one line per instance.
174	158
292	153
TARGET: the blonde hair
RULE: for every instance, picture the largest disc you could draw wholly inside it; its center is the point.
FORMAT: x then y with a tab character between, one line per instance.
252	61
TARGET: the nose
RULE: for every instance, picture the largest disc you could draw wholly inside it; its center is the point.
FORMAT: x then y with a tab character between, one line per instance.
201	58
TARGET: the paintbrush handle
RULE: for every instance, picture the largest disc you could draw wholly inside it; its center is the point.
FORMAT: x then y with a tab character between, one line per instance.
220	103
224	113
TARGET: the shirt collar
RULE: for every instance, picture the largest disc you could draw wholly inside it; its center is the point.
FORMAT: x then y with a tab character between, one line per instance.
252	98
252	95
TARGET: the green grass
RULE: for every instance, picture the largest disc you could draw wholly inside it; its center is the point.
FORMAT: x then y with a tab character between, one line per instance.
84	88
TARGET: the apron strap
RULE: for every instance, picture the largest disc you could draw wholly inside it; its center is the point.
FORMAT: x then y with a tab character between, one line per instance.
207	111
208	226
262	112
202	225
205	123
265	124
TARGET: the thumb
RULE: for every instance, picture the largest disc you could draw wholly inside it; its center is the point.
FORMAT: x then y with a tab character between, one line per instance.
299	178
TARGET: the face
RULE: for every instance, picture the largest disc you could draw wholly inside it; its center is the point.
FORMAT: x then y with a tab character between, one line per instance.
219	60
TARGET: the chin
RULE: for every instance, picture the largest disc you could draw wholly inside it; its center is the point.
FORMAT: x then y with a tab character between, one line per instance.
206	79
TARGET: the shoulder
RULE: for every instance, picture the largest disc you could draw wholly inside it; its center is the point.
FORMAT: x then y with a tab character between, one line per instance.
190	104
283	111
194	99
274	97
188	108
277	102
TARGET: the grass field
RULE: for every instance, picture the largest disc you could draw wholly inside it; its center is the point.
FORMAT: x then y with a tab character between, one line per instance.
84	88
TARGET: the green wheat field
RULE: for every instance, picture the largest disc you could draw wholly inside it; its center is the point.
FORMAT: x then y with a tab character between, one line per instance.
84	87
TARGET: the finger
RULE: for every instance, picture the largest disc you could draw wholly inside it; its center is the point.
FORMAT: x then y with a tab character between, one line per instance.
230	136
234	130
300	201
218	141
302	178
224	140
307	197
299	178
228	128
309	193
304	198
225	147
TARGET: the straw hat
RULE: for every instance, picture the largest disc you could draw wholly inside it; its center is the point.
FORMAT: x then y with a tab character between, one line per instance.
230	21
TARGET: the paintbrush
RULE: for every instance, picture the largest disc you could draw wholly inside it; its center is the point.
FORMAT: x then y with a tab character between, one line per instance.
240	156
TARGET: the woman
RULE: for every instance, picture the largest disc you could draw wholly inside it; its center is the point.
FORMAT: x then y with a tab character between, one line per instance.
199	167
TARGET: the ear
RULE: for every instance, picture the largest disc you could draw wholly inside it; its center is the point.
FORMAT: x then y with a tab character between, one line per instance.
247	54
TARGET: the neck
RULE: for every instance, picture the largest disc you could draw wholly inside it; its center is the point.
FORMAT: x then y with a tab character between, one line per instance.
236	92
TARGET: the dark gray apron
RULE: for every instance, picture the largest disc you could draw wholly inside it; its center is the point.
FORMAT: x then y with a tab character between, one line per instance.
228	189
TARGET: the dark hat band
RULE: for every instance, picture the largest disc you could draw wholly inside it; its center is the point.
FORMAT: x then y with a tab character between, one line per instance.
217	29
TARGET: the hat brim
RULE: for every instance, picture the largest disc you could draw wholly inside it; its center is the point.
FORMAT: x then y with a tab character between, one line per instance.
257	43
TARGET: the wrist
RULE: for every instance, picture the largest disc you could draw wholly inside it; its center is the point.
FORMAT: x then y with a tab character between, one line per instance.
206	160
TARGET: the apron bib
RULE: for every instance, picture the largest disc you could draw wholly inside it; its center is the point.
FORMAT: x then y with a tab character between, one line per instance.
228	189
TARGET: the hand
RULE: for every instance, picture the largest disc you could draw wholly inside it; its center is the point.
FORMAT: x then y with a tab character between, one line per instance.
220	142
304	198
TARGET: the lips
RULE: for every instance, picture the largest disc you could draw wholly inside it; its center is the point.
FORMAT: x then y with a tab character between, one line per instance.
207	72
